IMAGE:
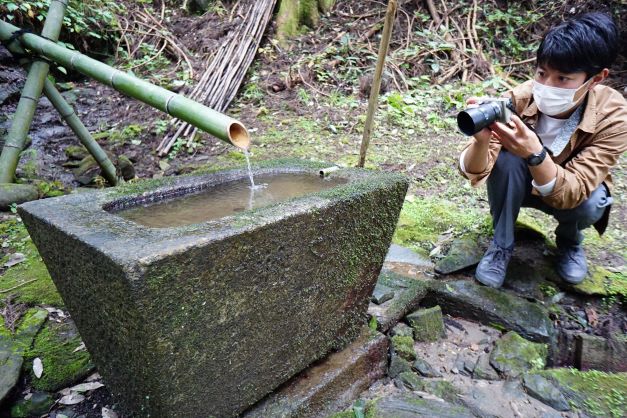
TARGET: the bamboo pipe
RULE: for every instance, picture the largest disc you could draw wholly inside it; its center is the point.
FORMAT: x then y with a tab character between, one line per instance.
67	113
376	81
16	138
215	123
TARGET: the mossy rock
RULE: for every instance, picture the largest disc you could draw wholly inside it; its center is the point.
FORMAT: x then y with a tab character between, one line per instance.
404	347
441	388
596	393
464	252
38	404
30	279
513	355
13	345
11	193
55	345
76	152
600	282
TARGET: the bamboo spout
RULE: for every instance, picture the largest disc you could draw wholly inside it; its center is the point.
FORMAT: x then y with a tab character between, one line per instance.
204	118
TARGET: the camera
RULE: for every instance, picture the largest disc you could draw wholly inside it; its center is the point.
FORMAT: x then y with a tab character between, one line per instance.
487	111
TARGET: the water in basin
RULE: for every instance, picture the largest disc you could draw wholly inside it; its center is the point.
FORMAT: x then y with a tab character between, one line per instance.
227	199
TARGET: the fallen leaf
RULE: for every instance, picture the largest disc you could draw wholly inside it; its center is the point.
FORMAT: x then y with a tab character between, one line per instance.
593	318
72	399
15	258
81	347
38	367
108	413
95	376
84	387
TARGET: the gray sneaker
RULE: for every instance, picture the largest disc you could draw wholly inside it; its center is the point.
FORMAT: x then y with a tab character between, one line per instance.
571	264
493	266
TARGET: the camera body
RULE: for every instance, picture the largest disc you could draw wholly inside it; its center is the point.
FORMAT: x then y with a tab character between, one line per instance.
485	113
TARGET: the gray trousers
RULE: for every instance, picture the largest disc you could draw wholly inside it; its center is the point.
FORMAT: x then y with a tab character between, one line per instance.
509	189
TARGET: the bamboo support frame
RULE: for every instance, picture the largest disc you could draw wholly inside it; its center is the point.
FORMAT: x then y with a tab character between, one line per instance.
25	111
67	113
69	116
209	120
376	82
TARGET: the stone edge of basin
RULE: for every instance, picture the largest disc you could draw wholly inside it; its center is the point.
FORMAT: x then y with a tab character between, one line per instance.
90	217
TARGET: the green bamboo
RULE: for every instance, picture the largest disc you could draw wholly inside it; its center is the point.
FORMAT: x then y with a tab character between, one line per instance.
67	113
16	138
202	117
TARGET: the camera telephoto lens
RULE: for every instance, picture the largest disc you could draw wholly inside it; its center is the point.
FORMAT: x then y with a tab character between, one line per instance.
474	119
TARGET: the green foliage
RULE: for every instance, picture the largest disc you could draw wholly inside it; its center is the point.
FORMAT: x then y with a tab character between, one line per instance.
51	189
502	29
86	23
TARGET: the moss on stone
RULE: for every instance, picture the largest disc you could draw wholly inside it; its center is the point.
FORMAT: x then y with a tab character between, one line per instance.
39	288
404	347
513	355
595	392
441	388
55	345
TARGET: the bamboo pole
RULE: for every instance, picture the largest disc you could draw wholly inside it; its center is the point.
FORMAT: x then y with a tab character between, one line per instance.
376	82
16	138
215	123
67	113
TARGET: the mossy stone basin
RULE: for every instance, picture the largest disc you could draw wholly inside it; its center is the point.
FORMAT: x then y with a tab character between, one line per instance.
205	319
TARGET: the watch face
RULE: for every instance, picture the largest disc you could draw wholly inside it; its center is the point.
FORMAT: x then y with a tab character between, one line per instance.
536	159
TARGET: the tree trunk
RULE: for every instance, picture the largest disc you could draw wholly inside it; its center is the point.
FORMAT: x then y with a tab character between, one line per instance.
293	14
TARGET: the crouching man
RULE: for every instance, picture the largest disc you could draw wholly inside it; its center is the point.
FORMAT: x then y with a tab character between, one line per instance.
558	157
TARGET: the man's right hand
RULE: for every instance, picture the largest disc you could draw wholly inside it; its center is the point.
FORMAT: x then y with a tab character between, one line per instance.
485	134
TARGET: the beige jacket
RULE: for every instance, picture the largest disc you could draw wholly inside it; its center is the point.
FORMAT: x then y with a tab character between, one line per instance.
594	148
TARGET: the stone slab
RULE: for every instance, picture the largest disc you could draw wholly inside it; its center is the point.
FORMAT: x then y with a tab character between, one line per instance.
207	319
598	353
411	405
331	384
545	391
465	252
492	307
428	324
400	254
408	293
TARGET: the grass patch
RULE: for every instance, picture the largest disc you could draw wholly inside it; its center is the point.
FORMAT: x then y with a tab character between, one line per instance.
423	220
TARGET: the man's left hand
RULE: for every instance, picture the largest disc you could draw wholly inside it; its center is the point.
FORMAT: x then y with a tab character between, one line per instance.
517	138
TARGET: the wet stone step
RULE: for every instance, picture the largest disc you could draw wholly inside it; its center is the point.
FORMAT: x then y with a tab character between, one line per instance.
408	293
489	306
330	384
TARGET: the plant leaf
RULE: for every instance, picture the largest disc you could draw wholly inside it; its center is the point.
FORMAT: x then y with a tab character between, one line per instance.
38	367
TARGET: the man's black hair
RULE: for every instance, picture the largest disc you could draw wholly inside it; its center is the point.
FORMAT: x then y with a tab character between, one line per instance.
588	43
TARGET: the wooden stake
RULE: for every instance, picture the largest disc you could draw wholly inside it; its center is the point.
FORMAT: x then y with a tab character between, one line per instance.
376	82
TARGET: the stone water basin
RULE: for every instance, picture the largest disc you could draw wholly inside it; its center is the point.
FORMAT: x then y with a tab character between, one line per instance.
206	317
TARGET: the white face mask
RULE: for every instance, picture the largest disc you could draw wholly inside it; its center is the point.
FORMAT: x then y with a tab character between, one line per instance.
555	100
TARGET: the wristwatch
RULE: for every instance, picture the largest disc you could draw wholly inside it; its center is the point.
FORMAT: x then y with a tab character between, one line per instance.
536	159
